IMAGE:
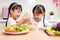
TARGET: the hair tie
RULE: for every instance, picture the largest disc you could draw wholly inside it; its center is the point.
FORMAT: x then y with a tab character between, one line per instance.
14	5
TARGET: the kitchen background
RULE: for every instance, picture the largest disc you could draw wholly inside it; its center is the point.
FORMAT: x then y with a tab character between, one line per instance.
27	5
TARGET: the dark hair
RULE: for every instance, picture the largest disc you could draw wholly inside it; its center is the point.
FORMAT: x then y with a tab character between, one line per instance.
39	9
13	6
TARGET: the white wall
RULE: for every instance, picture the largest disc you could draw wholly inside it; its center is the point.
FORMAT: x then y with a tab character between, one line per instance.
29	4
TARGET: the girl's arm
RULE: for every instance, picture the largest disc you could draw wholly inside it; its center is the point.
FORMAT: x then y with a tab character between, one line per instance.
24	20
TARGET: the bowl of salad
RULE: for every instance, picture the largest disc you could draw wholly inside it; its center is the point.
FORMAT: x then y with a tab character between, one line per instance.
53	29
16	29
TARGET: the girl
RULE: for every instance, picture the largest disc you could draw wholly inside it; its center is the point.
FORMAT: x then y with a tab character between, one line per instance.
39	16
14	12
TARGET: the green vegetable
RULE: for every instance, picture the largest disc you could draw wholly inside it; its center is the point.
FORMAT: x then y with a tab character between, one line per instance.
14	28
57	32
30	28
53	27
11	28
51	13
19	28
7	28
22	28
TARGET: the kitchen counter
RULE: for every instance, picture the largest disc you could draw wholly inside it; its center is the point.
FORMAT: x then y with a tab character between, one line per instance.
2	21
33	35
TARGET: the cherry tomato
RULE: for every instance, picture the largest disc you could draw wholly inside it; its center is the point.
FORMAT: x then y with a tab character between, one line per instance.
11	30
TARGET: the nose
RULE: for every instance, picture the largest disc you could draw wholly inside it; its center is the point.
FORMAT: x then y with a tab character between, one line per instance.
19	14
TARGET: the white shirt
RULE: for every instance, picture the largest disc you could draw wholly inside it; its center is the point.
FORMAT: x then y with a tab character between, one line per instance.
38	24
11	21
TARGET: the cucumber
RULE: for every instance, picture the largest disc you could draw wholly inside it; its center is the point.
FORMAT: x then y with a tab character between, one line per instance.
57	32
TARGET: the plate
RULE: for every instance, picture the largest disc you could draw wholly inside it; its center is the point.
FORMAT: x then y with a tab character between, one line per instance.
50	34
16	32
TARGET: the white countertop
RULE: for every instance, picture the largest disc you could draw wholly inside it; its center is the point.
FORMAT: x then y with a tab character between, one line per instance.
49	21
1	20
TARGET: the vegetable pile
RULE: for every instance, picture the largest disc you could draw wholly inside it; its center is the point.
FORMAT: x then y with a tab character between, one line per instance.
17	28
58	26
55	29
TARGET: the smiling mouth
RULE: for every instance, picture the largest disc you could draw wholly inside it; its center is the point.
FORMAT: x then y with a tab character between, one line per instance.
37	20
17	16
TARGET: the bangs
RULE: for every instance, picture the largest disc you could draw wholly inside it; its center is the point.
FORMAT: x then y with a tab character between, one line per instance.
38	10
17	7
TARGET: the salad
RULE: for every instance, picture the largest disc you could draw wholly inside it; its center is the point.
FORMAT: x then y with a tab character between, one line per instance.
54	29
14	29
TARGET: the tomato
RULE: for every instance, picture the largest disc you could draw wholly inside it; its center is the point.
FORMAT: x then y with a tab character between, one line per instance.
7	30
11	30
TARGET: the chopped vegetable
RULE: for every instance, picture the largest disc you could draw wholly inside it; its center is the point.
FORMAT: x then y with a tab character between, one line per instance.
57	32
58	26
22	28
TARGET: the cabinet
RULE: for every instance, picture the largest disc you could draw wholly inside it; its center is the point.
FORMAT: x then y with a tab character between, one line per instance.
4	12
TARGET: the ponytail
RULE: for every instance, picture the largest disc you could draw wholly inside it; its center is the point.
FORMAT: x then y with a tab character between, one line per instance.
9	12
44	21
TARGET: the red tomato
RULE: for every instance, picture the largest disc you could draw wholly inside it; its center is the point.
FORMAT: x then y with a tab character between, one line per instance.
7	30
11	30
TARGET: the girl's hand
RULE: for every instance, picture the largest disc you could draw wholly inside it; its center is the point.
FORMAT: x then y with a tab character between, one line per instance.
26	18
42	28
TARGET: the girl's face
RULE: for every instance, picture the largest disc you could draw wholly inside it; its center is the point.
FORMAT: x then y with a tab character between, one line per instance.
38	17
15	13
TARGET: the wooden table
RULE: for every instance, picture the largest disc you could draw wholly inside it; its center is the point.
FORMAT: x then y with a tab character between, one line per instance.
33	35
